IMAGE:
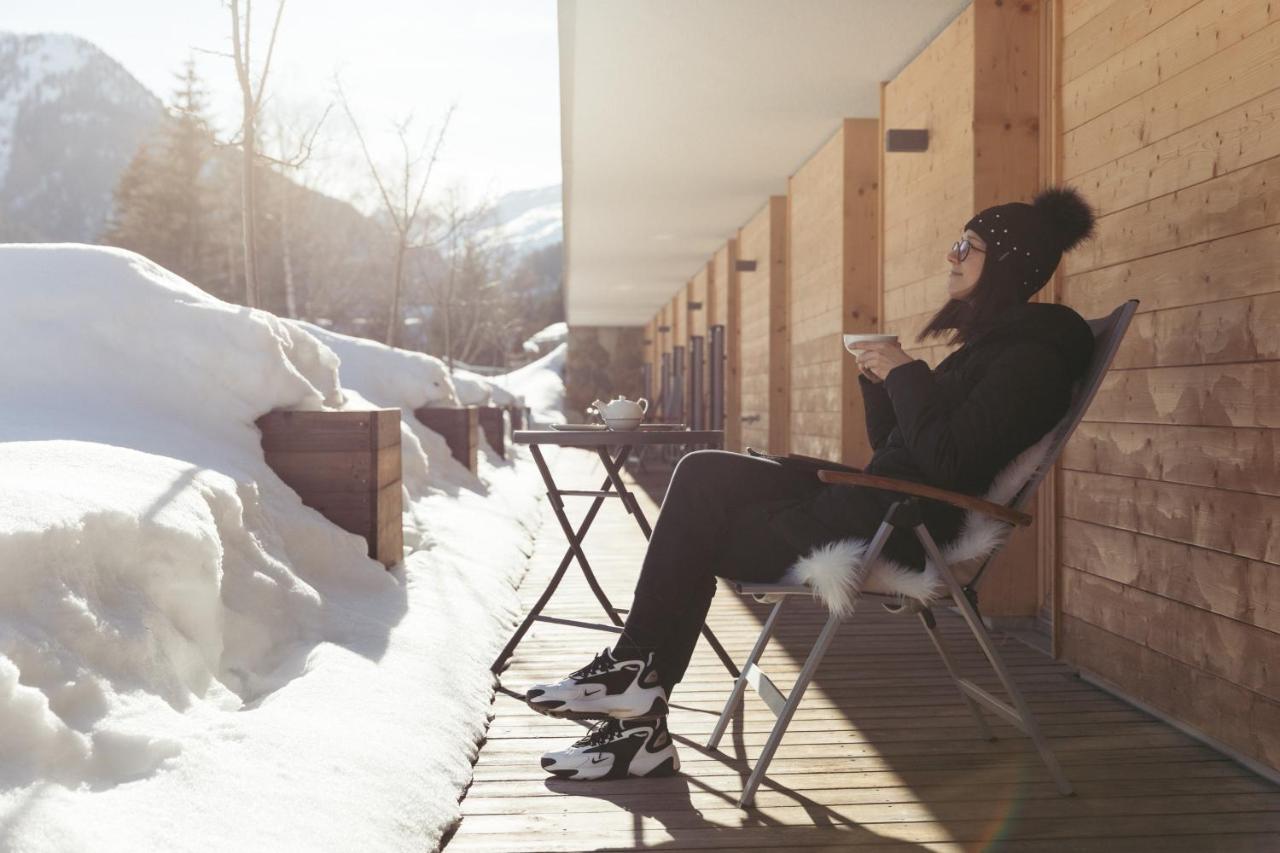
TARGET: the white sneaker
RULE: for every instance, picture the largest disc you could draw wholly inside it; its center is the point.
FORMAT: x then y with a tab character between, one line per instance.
605	688
615	749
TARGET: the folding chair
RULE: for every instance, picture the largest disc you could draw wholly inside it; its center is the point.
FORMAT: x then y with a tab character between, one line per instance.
1108	332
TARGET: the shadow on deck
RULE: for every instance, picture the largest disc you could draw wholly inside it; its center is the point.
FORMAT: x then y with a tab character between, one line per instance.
882	754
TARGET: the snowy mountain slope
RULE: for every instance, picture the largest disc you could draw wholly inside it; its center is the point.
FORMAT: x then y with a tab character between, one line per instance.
71	118
527	220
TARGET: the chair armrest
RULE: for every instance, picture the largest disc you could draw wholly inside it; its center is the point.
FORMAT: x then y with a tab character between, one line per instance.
906	487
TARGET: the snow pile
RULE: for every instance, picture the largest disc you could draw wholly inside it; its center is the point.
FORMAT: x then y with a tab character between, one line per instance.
540	384
477	390
190	659
551	336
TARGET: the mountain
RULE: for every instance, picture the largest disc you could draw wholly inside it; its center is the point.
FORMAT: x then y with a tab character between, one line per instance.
71	118
527	220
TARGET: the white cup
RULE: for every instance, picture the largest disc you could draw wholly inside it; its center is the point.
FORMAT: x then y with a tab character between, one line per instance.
851	341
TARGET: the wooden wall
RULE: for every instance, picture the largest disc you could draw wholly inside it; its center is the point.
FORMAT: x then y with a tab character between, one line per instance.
977	90
765	375
726	309
832	212
1171	487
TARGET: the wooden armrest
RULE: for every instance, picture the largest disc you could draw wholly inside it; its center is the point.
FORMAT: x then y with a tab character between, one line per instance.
843	478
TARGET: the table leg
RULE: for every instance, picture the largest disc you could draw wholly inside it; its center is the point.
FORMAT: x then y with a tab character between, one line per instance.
553	494
575	539
633	506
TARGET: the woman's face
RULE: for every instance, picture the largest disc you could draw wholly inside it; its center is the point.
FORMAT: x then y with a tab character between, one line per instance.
964	273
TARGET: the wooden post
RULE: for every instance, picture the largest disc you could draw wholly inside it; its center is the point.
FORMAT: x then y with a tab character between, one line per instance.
346	466
457	426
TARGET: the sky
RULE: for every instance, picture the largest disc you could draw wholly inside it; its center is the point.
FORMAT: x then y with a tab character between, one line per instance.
497	60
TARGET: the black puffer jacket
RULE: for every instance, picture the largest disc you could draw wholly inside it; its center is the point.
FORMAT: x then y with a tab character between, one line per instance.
958	425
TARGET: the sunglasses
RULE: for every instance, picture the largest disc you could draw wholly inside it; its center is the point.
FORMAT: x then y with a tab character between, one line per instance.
961	248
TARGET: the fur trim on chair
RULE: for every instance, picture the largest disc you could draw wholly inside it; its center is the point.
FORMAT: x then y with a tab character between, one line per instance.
837	574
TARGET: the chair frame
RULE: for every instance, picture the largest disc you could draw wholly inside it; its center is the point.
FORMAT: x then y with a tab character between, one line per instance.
1108	332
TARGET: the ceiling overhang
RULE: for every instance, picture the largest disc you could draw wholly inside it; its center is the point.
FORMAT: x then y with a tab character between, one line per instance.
680	118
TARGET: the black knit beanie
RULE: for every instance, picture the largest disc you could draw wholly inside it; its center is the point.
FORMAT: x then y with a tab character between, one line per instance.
1025	242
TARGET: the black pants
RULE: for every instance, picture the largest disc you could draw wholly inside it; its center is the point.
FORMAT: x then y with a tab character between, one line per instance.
730	515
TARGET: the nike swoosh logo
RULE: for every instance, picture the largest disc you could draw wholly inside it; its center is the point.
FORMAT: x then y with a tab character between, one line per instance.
596	692
596	759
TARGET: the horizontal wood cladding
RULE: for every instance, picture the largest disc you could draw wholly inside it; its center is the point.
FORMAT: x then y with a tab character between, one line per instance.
1234	715
1237	523
1243	395
458	426
928	196
1230	204
765	374
1242	460
1172	484
1227	79
1237	651
1234	266
1236	587
832	212
726	310
699	295
1178	41
346	466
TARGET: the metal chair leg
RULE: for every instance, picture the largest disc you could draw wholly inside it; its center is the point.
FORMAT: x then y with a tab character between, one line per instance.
1021	712
740	683
793	702
931	628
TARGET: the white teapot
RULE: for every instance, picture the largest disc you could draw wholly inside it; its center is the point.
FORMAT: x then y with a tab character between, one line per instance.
621	413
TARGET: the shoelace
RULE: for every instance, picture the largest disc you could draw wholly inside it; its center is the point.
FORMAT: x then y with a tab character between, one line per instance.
601	733
600	664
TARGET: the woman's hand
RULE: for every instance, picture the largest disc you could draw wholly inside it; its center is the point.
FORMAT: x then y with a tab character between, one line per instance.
878	358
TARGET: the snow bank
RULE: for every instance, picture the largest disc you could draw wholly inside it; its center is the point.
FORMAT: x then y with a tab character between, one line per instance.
189	658
540	384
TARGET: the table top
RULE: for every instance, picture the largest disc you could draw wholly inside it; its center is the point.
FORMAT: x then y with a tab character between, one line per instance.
611	437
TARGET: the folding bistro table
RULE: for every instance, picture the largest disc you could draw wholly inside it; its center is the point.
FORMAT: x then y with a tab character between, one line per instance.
600	440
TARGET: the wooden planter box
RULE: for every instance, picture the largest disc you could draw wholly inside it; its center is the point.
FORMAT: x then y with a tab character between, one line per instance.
517	417
459	428
346	466
494	426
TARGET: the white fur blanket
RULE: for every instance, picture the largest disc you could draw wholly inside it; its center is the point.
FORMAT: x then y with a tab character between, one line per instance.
837	574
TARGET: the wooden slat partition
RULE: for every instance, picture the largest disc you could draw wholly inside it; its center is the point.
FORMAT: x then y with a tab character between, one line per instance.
832	226
727	311
346	466
766	375
976	88
1171	562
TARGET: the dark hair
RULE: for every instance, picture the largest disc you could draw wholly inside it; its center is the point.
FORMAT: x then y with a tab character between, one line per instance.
969	318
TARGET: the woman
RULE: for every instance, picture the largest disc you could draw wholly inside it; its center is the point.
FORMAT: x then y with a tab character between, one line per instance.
751	519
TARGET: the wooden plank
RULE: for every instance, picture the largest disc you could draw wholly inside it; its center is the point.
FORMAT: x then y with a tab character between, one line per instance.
457	426
331	471
1239	459
294	431
1224	711
1230	522
1229	78
1124	36
1231	586
699	295
1239	201
1234	651
1243	395
1239	137
726	260
1077	13
1233	267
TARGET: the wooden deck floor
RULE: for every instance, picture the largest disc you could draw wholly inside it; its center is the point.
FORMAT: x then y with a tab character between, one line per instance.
881	756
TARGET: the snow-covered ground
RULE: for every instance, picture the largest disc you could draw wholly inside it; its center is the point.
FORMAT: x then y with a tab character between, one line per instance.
190	659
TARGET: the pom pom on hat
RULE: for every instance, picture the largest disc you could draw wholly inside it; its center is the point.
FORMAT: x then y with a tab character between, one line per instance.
1067	214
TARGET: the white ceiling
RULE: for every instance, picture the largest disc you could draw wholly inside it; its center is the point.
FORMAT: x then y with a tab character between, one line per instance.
679	118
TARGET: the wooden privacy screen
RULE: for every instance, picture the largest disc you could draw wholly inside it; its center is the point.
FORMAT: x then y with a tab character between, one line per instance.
832	227
726	311
976	89
346	466
1170	554
765	375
